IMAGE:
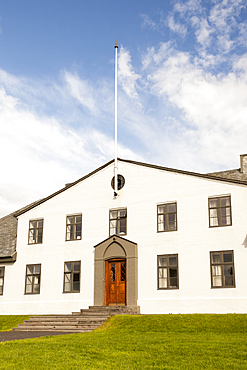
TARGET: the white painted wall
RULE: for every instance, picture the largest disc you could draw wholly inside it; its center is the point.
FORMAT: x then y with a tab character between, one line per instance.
144	188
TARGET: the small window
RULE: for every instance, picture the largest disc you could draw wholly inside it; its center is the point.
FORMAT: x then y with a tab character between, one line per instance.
118	222
1	279
220	211
167	217
222	269
74	227
35	235
32	285
168	271
71	281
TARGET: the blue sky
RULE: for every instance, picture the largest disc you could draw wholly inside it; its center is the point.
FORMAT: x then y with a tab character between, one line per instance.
182	88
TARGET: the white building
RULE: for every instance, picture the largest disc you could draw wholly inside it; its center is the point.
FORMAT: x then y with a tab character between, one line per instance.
171	241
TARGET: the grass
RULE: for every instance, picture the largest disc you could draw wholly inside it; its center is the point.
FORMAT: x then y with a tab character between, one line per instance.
138	342
8	322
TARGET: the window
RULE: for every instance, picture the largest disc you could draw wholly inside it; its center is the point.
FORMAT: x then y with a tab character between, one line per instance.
167	217
1	279
118	222
73	227
168	271
35	235
220	211
222	269
32	285
71	281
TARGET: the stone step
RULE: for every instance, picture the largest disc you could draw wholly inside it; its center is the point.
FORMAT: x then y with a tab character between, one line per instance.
61	323
56	327
60	329
118	309
78	322
79	318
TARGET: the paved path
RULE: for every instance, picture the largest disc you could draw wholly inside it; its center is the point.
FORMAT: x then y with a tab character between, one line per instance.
16	335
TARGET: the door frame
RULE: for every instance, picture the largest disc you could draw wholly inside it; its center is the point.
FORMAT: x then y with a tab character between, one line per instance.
116	247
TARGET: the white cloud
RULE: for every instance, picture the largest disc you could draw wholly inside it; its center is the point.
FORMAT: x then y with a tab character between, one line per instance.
40	153
214	107
147	22
177	27
126	76
82	91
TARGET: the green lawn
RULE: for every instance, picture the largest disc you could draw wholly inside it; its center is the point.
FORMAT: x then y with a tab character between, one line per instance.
139	342
7	322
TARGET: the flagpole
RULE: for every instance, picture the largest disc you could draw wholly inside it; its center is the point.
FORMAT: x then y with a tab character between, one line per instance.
116	147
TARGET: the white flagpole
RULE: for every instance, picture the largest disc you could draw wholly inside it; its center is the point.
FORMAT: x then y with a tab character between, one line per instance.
115	163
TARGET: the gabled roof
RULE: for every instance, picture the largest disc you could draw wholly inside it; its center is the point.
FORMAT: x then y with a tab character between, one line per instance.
214	176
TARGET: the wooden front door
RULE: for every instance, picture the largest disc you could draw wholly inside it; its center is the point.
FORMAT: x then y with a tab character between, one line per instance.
115	282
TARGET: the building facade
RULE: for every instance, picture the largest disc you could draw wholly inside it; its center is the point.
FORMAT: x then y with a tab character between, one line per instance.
170	242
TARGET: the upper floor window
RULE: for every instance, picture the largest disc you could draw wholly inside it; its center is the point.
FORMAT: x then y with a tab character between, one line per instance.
118	222
71	281
220	211
168	271
1	279
35	235
73	227
167	217
222	269
32	284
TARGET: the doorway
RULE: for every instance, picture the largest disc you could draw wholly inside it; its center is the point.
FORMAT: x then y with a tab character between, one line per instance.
115	282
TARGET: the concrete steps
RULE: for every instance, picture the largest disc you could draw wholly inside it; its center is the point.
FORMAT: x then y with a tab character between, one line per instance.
85	320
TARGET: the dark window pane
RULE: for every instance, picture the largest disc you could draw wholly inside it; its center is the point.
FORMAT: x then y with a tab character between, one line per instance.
228	280
228	270
171	208
173	272
76	286
216	258
162	261
172	261
68	267
227	257
162	209
225	202
122	226
112	271
173	282
78	219
172	225
76	277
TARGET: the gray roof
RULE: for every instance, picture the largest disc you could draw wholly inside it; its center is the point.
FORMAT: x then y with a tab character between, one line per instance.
231	174
8	236
8	224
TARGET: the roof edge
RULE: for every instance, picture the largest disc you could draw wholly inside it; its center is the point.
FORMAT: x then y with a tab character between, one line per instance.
11	258
197	174
189	173
22	211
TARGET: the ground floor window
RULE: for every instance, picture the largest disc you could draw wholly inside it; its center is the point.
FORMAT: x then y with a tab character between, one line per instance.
1	279
32	284
168	271
72	272
222	269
